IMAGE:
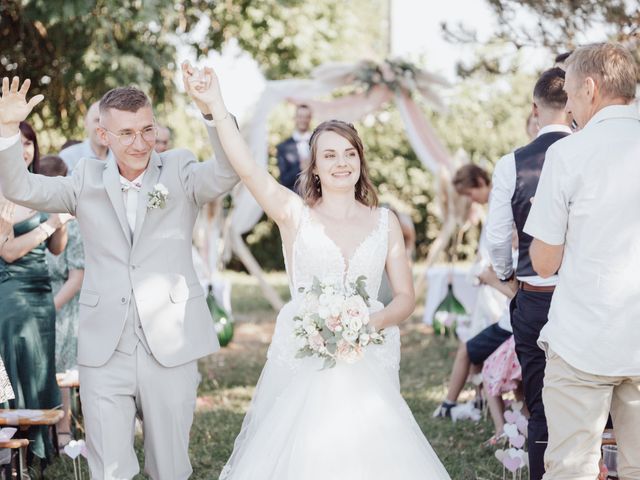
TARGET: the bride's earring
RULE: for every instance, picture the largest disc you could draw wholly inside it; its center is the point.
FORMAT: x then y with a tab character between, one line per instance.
316	181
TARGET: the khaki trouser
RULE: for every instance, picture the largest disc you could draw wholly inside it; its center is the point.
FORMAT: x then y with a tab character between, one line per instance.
577	405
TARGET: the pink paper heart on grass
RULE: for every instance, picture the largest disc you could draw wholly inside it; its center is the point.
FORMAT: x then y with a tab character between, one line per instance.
511	416
517	441
512	464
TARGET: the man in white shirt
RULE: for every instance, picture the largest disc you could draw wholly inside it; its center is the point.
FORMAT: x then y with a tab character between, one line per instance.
585	222
293	154
90	147
515	179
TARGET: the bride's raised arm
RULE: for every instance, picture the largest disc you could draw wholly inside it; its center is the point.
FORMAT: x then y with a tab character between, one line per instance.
277	201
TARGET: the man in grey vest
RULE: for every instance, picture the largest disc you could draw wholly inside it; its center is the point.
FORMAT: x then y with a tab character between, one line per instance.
515	179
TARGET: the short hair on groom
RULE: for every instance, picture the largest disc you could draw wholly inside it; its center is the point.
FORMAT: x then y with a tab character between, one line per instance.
128	99
549	89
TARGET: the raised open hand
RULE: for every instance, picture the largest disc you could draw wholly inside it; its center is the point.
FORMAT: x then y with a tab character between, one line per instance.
203	87
14	107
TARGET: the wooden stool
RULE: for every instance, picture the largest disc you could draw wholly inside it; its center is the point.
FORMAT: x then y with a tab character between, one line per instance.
19	444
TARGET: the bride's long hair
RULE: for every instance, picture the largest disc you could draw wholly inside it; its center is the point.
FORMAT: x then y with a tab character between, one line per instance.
309	184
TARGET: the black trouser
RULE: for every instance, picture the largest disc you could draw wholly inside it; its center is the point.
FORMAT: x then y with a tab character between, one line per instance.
529	312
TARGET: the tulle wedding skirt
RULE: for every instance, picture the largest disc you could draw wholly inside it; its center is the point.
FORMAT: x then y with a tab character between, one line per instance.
345	423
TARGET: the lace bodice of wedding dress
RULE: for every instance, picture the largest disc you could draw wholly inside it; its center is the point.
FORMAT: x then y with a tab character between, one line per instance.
315	254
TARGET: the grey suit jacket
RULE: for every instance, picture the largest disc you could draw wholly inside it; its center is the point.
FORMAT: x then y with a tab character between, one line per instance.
154	263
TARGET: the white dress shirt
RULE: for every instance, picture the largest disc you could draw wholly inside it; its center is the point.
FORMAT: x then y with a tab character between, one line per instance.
302	144
131	192
587	200
500	221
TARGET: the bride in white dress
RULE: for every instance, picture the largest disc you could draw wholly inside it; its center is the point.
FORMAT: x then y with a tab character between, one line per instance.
349	422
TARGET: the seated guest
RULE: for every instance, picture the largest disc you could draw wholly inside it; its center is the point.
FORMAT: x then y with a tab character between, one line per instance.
472	354
501	373
67	273
27	323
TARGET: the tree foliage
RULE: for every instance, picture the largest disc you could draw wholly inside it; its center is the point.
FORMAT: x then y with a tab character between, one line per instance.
76	50
560	25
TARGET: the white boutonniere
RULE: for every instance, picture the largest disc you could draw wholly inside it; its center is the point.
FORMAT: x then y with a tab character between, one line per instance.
158	197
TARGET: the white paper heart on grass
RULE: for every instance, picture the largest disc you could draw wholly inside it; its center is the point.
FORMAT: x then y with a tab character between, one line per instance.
74	448
517	406
511	430
500	454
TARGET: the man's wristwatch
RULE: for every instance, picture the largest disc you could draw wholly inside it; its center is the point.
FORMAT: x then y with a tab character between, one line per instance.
509	278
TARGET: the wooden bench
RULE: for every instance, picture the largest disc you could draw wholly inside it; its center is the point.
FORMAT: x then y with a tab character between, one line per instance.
25	419
20	445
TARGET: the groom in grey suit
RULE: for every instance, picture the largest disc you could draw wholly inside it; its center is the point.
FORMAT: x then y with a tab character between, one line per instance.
143	317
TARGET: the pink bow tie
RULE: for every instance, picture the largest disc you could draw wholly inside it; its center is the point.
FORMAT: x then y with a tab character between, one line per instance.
126	185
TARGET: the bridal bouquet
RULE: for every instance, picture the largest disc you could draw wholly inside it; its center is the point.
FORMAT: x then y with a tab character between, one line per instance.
334	322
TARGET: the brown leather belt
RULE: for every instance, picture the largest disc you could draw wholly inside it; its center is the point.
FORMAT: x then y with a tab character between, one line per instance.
527	287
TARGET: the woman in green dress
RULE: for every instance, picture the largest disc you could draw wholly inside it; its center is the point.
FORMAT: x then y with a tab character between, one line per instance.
27	314
67	273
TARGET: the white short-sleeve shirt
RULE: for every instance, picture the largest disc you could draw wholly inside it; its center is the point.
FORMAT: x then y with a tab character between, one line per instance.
588	199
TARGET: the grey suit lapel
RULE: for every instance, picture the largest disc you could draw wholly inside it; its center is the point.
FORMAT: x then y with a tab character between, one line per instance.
149	180
111	180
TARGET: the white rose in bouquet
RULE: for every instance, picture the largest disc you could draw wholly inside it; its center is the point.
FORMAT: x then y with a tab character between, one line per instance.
355	312
350	336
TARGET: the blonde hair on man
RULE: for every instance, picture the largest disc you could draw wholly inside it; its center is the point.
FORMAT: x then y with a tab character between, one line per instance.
610	65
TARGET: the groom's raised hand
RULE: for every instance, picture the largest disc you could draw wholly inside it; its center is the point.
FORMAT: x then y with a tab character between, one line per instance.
14	107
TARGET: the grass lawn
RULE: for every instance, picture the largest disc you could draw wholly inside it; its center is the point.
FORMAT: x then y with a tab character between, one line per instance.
228	380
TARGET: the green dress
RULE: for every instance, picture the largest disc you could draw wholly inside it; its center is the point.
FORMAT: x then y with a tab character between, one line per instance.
67	318
27	333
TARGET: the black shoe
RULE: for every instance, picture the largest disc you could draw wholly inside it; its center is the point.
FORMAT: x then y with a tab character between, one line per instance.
444	410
